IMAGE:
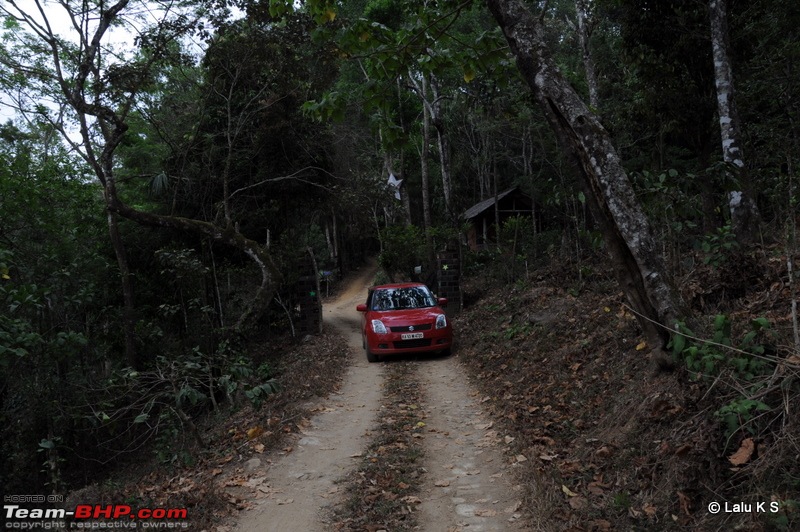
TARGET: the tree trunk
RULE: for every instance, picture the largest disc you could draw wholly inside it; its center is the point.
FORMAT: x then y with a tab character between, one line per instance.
744	212
584	33
423	161
496	205
639	266
128	307
104	169
444	145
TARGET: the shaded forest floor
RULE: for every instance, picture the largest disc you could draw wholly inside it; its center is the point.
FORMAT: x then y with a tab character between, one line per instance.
606	439
601	438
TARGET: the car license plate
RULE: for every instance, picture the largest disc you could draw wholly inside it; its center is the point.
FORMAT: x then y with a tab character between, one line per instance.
411	336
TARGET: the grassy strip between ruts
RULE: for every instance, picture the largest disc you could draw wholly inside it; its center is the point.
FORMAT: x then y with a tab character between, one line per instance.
382	492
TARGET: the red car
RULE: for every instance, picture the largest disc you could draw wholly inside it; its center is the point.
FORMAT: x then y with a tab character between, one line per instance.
404	318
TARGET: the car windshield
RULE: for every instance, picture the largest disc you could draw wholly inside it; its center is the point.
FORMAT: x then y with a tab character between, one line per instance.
402	298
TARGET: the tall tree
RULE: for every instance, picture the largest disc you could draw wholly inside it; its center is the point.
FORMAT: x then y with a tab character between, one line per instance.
98	88
424	154
638	263
744	211
73	94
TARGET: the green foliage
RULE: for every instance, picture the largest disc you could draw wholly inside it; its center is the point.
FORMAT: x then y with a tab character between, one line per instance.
161	404
257	394
738	413
719	245
517	330
239	113
55	326
479	261
706	359
782	520
167	443
622	500
403	249
394	40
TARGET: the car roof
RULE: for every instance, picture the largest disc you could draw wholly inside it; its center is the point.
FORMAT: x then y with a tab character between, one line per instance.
396	285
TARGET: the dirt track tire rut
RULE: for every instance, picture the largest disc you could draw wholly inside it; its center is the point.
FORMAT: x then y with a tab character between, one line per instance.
469	485
303	481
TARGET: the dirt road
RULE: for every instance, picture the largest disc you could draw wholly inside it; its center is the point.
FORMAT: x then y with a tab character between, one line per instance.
468	485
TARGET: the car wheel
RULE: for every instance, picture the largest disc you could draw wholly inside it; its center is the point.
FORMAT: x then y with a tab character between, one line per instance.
371	357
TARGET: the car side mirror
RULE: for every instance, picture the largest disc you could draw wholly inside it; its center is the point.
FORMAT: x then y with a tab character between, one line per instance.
442	301
361	308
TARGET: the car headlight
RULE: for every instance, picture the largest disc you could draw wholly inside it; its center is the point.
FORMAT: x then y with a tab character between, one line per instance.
441	321
379	327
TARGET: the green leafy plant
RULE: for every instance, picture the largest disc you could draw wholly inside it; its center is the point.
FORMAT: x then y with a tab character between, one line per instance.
719	245
704	358
781	520
739	412
517	330
257	394
403	249
622	500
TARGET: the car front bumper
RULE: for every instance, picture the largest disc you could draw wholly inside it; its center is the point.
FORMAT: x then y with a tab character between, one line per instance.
393	343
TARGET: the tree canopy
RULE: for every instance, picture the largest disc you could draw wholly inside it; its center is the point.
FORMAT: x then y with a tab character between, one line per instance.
159	198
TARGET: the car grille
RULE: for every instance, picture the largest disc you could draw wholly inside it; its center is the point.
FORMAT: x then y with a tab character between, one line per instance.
406	344
404	328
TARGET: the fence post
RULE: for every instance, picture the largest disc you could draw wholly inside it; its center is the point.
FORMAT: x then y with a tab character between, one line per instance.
448	264
310	299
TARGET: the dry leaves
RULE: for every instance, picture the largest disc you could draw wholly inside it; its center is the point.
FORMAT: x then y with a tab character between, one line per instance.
745	452
568	492
685	503
254	432
578	503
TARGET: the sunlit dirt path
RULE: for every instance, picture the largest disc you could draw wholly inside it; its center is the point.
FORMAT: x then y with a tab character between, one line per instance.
303	481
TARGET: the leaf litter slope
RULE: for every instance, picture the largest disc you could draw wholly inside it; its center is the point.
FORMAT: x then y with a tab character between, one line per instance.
304	479
468	482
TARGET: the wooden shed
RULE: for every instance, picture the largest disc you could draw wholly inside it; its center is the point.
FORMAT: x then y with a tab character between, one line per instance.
481	216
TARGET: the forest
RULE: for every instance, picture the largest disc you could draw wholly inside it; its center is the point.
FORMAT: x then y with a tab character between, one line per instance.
171	169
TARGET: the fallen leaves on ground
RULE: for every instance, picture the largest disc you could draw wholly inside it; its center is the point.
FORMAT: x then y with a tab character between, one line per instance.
568	382
384	487
745	452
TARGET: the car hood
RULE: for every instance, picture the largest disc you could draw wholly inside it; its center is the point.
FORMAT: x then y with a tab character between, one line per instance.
407	317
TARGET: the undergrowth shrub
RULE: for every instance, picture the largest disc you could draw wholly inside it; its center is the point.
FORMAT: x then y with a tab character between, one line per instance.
159	406
519	253
403	249
744	363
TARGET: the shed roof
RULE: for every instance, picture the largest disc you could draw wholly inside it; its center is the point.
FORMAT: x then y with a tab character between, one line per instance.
480	207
